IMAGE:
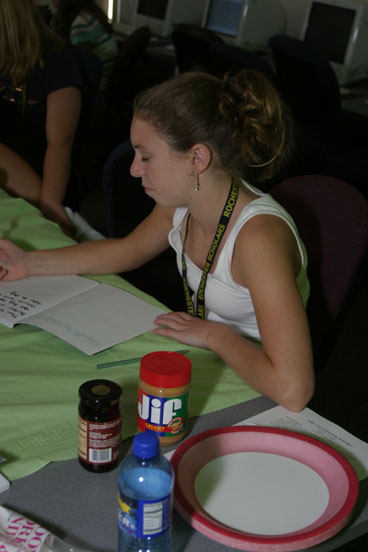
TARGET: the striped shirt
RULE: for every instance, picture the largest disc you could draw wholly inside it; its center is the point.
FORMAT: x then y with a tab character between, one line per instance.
87	29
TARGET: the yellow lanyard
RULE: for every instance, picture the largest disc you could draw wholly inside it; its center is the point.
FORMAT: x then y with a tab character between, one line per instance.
222	225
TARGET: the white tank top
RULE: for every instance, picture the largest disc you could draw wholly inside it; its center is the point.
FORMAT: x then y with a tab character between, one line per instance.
225	300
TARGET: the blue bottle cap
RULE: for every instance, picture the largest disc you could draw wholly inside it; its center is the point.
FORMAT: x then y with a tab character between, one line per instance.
146	445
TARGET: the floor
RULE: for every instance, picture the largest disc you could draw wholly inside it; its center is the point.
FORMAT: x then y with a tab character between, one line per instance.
342	386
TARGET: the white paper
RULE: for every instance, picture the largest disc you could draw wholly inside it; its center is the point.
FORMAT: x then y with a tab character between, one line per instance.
91	320
98	318
310	423
4	483
23	298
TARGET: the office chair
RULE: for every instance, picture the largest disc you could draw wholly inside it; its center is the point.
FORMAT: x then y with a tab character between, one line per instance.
124	81
332	218
127	205
328	140
90	67
227	58
109	121
307	82
192	45
113	118
309	87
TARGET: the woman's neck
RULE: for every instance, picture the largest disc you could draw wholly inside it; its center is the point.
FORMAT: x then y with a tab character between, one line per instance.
206	204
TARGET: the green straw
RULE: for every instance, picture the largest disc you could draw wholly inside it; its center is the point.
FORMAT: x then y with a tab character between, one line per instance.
132	360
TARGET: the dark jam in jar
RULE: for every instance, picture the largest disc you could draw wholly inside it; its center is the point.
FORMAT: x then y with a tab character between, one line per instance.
99	425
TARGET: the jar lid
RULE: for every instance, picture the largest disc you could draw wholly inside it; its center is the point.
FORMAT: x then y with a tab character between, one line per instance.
165	369
100	391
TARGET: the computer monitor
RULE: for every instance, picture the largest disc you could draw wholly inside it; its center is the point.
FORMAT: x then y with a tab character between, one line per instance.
162	15
245	22
339	30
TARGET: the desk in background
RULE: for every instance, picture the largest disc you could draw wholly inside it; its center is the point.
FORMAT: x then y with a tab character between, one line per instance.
354	99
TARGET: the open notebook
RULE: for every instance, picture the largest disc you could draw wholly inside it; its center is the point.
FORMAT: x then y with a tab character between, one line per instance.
87	314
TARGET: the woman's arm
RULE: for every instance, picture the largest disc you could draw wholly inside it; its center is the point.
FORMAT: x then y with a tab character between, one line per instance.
265	261
17	177
63	110
95	257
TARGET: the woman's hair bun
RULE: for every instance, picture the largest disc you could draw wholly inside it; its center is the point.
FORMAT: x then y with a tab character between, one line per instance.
261	124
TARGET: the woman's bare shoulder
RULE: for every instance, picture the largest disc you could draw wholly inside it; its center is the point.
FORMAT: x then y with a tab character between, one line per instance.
264	243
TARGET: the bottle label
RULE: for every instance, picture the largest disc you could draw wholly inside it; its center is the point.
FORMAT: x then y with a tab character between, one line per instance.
166	416
144	518
99	442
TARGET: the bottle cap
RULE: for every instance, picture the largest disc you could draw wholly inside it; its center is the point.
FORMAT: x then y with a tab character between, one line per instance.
146	445
165	369
100	392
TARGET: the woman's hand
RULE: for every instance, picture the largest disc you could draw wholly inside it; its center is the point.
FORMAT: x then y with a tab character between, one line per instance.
186	328
57	213
12	261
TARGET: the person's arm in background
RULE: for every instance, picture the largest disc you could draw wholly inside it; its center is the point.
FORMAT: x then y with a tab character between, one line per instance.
63	111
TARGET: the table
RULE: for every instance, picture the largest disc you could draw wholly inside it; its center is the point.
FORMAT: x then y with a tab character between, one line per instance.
81	506
39	402
56	491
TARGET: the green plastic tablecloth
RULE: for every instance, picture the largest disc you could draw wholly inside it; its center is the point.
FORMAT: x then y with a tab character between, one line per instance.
40	374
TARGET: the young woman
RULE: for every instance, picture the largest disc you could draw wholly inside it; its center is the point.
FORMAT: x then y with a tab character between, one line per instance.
40	103
195	138
84	23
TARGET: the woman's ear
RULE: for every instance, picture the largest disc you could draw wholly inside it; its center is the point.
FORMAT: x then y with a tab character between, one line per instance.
200	157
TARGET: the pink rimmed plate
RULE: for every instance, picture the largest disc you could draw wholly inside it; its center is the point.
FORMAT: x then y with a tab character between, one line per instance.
263	489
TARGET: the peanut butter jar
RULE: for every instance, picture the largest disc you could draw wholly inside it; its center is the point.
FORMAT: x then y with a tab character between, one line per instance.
163	395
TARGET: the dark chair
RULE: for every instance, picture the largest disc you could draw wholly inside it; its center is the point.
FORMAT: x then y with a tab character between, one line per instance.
307	82
332	218
127	205
124	81
327	141
192	47
90	67
110	121
309	87
114	116
225	57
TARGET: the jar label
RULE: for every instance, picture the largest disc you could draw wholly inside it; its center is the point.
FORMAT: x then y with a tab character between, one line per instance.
144	518
167	416
99	442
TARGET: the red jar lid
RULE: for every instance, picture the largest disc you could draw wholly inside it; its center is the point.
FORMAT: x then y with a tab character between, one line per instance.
165	369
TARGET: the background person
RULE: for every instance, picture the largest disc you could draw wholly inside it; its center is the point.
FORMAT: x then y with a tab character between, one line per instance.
40	102
85	24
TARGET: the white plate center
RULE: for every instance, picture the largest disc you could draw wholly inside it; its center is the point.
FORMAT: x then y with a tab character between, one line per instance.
261	493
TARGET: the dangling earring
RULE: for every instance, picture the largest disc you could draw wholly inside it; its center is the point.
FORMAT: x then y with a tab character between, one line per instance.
198	185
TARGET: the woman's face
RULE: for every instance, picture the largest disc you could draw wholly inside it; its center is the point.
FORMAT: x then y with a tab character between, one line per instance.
166	176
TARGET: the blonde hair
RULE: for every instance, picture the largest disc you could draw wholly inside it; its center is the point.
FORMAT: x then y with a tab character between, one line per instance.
241	118
22	36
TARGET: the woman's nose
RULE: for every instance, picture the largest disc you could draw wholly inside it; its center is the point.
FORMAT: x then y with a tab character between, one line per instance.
136	168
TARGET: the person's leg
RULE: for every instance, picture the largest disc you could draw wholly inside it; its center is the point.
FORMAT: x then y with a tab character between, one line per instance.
17	177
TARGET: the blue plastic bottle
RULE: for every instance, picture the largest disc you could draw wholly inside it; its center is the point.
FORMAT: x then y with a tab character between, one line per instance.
145	482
